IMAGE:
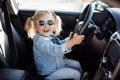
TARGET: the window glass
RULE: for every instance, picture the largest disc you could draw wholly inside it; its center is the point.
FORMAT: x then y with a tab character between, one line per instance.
60	5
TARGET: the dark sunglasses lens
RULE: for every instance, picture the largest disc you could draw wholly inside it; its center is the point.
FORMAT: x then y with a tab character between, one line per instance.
50	22
41	23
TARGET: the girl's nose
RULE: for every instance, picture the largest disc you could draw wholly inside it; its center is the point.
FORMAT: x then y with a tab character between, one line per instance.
46	25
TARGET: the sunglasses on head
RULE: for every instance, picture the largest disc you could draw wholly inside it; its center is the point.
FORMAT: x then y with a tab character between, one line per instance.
42	22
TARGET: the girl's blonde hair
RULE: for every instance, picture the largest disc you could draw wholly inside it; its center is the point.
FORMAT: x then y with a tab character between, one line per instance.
29	25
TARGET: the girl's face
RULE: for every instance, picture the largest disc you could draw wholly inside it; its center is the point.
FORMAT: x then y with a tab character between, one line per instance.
44	24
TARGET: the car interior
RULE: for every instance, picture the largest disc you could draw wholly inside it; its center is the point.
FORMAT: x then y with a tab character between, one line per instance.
99	53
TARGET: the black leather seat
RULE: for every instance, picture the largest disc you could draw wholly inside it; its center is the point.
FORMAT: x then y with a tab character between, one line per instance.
6	72
13	74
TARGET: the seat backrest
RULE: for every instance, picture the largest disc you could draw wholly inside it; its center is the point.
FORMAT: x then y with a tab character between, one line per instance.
23	52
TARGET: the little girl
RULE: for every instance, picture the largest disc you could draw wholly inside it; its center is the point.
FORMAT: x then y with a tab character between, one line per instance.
44	27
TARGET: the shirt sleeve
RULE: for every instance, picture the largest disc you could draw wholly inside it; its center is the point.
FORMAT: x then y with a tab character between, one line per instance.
65	40
64	48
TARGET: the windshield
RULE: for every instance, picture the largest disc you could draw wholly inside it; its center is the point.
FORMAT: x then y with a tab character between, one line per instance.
58	5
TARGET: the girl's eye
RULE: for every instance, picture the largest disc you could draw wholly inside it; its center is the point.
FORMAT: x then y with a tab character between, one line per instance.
41	23
50	22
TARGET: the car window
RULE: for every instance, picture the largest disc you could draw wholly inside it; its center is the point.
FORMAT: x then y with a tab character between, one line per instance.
59	5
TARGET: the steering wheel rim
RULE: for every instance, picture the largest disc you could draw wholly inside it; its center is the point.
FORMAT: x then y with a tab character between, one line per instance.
84	19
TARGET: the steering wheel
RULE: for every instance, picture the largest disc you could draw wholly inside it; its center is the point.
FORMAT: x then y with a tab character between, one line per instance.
84	19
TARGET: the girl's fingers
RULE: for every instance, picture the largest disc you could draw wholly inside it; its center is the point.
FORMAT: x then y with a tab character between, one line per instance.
70	33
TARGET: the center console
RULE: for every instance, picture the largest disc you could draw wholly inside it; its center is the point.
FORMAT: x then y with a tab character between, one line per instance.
109	68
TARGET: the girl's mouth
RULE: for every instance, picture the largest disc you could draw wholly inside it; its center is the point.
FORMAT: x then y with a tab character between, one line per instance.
46	30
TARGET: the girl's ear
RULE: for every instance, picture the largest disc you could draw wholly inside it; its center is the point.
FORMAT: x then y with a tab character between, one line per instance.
35	26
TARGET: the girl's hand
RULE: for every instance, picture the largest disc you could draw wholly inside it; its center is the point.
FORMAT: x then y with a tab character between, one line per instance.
76	39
